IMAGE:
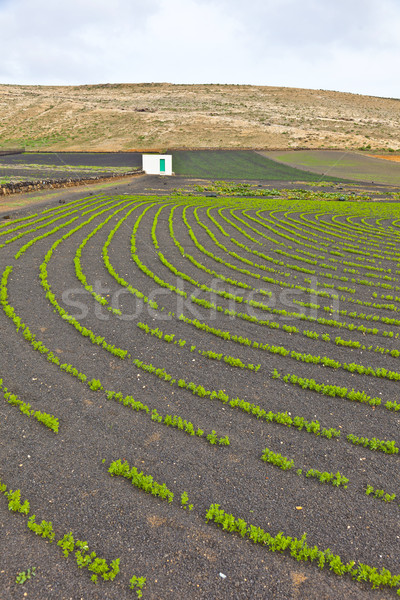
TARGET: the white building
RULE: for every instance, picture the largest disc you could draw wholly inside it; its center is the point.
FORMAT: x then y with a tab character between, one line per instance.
157	164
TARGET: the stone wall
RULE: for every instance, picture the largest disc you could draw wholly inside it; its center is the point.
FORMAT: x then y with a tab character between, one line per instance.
4	151
24	187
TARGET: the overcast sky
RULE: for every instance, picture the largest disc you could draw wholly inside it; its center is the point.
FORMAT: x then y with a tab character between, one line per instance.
343	45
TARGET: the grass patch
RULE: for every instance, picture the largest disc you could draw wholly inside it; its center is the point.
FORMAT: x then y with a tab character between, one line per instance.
349	165
231	164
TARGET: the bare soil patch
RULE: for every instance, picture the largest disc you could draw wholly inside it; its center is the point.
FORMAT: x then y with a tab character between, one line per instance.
343	164
394	158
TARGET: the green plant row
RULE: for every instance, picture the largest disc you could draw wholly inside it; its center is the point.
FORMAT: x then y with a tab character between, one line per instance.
106	259
380	494
282	418
140	480
169	338
81	203
95	339
158	333
77	259
168	420
24	576
341	233
329	322
25	247
335	479
146	482
389	446
274	458
226	335
19	220
30	337
240	258
65	211
49	421
43	529
202	267
22	234
144	268
362	282
300	356
363	316
333	391
286	464
98	566
89	560
187	427
300	550
94	384
387	296
379	372
185	277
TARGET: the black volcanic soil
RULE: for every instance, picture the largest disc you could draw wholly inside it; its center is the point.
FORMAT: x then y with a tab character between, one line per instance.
89	159
66	481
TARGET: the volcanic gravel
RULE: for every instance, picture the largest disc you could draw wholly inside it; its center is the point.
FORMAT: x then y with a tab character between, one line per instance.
65	477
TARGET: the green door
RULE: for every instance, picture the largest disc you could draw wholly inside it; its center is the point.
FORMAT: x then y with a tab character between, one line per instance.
162	165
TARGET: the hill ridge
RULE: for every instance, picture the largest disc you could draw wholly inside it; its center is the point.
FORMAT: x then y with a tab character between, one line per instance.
159	116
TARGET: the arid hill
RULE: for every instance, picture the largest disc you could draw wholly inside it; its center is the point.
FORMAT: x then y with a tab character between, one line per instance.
165	116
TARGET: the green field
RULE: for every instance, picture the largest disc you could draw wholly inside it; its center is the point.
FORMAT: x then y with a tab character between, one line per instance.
231	164
349	165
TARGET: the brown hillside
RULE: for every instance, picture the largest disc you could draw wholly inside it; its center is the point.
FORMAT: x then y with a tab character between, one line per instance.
161	116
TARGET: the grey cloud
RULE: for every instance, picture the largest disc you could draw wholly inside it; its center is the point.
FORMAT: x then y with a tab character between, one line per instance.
47	42
347	45
290	23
